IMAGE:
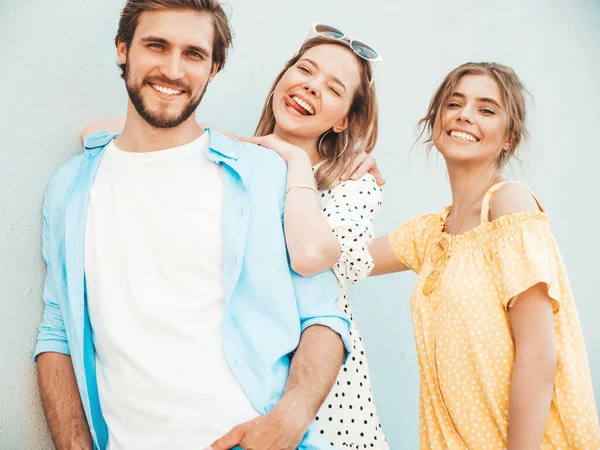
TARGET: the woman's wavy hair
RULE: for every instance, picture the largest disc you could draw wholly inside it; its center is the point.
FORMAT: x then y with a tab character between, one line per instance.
363	120
513	92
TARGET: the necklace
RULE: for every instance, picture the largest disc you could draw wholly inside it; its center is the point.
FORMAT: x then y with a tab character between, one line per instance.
492	182
465	216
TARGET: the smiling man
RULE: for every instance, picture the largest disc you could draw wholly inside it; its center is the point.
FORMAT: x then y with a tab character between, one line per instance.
170	311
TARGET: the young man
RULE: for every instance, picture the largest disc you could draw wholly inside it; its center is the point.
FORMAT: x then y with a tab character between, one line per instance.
171	313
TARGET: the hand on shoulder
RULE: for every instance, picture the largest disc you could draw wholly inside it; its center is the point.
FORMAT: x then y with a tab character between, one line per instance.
361	164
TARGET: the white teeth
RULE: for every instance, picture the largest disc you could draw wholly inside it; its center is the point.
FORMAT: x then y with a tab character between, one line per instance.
305	105
463	136
166	90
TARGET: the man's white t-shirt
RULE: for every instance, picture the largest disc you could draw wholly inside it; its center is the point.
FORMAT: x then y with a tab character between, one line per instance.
153	265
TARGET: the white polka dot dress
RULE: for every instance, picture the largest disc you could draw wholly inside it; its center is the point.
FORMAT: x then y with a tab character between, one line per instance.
348	418
463	335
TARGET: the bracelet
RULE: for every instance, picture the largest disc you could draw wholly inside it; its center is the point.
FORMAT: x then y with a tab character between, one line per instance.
301	186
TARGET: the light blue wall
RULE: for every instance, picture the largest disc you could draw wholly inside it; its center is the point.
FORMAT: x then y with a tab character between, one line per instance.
57	73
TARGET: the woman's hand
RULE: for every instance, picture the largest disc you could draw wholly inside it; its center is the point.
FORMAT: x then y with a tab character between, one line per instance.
271	141
360	165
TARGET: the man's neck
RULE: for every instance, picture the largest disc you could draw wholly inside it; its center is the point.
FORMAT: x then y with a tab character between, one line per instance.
139	136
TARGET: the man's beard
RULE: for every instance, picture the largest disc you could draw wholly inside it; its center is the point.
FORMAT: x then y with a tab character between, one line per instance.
161	119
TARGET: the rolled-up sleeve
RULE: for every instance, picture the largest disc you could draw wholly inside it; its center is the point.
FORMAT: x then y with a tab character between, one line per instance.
52	336
317	298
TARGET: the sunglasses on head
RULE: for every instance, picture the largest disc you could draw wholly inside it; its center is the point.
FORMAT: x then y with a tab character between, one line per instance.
363	50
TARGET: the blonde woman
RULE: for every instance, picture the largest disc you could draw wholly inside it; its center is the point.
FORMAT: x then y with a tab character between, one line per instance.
321	113
501	353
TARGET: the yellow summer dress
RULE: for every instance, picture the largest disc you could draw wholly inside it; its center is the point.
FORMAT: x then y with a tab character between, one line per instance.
463	335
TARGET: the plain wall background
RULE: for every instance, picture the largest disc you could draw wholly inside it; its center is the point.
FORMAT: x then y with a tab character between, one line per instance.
58	73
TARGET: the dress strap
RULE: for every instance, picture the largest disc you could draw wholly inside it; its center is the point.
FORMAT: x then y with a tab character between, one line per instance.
487	198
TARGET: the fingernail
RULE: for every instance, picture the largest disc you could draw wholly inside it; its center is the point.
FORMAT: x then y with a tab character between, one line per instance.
354	177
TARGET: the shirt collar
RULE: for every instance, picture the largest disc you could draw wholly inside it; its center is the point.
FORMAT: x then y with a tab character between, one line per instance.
221	147
223	150
93	143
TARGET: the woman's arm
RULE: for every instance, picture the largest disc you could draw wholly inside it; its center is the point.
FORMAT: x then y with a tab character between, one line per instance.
312	246
384	258
532	383
344	215
532	322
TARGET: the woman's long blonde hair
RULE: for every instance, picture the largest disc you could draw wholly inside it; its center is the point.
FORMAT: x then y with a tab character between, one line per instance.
363	121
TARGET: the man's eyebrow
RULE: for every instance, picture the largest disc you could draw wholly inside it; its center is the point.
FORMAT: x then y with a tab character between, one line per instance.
335	80
154	39
479	99
159	40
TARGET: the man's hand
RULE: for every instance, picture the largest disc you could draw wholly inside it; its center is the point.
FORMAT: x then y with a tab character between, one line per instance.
307	386
278	430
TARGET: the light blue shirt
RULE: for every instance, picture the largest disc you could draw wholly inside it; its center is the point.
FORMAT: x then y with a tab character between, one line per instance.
267	305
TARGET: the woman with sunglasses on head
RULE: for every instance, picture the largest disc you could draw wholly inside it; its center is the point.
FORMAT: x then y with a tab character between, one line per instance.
321	112
501	352
321	117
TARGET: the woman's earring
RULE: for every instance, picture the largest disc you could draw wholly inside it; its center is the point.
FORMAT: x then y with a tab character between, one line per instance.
319	146
345	145
343	150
